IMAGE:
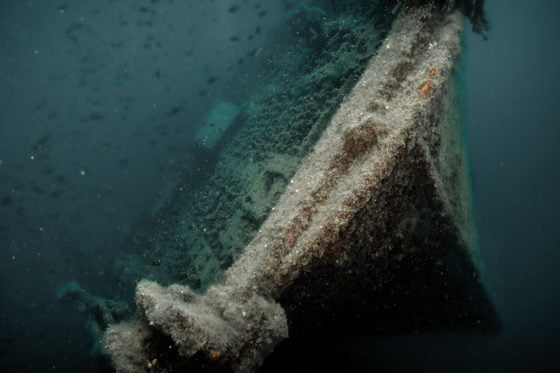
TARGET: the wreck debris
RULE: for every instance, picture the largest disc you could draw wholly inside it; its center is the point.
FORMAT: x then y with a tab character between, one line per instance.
376	219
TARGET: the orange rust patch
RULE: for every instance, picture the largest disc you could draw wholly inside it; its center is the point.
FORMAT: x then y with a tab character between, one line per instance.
213	354
293	232
357	141
291	238
308	212
433	73
427	88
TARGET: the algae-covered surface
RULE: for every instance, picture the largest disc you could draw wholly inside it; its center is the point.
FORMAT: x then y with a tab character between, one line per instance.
371	234
147	146
287	92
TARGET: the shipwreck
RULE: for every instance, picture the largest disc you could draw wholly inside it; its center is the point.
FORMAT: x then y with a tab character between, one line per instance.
372	233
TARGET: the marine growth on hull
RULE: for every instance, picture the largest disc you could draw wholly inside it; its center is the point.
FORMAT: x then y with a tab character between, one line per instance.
327	194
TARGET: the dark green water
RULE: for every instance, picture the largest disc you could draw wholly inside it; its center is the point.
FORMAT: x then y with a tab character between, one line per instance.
103	181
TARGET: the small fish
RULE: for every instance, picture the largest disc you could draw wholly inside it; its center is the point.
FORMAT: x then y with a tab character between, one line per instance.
95	116
234	38
212	80
55	193
37	189
73	28
256	52
61	179
174	111
43	140
40	105
263	13
123	162
233	9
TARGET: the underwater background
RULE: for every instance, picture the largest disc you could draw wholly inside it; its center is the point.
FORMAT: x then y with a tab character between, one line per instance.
100	107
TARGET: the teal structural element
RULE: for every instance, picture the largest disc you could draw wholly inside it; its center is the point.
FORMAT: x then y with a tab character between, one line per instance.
100	312
216	125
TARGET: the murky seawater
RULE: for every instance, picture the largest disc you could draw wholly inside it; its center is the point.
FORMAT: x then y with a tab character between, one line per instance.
151	139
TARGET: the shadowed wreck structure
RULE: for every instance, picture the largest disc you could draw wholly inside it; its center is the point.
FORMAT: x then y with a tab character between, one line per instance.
373	232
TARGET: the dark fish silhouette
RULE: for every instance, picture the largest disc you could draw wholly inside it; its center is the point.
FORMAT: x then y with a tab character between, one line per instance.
61	179
43	140
55	193
73	28
255	52
95	116
174	111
